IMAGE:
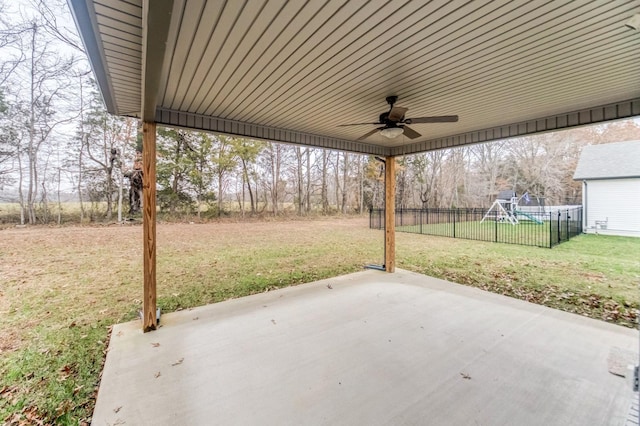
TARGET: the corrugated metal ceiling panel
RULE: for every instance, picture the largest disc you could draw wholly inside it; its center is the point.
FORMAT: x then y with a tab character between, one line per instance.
307	67
120	30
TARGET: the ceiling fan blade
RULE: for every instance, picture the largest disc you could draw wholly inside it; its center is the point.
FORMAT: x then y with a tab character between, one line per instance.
397	113
357	124
366	135
434	119
410	133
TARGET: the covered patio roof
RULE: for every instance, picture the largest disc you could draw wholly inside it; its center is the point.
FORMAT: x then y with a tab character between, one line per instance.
292	71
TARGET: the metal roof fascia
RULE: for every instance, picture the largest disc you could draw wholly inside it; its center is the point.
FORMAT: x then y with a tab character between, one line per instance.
561	121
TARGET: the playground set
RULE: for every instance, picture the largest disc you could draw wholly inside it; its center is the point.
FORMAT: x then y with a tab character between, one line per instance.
506	208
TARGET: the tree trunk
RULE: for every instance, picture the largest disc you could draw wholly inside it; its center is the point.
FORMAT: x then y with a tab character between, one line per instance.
59	201
245	175
323	189
308	192
82	142
20	191
243	195
219	193
238	198
336	178
345	174
361	166
300	181
44	201
120	185
273	154
31	148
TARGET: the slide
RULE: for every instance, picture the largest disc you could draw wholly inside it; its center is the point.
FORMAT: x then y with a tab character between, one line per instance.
528	216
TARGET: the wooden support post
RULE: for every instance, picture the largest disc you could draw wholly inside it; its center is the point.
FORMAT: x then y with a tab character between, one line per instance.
390	214
149	225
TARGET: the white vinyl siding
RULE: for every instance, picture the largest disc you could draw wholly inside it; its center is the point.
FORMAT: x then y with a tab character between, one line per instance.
618	202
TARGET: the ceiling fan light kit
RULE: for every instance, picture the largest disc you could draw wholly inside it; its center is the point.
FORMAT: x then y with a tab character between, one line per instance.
395	116
392	132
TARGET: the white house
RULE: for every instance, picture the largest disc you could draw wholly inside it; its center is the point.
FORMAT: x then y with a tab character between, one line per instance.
610	175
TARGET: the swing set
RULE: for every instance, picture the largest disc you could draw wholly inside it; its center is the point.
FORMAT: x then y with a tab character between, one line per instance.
506	210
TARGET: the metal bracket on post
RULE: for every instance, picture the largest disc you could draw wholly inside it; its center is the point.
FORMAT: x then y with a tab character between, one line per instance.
376	267
141	316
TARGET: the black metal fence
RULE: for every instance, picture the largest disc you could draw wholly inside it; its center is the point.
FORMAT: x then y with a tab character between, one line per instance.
540	229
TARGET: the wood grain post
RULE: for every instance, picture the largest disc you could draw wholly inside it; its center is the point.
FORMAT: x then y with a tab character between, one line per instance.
149	225
390	214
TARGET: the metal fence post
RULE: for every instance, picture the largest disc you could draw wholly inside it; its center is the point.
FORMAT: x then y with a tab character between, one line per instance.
445	223
455	213
550	233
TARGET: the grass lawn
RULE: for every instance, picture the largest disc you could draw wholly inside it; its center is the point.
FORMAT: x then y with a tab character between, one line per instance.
525	232
62	288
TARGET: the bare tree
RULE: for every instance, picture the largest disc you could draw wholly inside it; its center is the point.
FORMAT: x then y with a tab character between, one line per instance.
46	77
300	199
105	139
324	190
246	151
224	161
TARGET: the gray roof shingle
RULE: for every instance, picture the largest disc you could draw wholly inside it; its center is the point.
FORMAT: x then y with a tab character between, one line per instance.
609	161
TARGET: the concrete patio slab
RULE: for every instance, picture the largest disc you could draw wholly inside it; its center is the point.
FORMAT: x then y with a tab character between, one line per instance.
368	348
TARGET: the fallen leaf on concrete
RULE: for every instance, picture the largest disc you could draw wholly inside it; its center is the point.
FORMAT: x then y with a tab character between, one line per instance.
157	374
465	376
178	362
155	345
273	321
329	286
117	409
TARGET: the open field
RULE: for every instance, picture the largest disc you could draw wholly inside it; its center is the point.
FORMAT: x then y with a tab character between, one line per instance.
62	288
69	212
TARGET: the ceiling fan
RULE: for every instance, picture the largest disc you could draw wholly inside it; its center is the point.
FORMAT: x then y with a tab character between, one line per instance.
394	123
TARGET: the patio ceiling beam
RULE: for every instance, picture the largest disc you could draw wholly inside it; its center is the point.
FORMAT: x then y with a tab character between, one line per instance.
155	23
206	123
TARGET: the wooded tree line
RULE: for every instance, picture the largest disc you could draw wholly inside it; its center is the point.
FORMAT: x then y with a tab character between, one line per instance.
247	176
56	138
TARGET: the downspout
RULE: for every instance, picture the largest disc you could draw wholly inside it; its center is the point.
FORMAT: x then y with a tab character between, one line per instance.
585	222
